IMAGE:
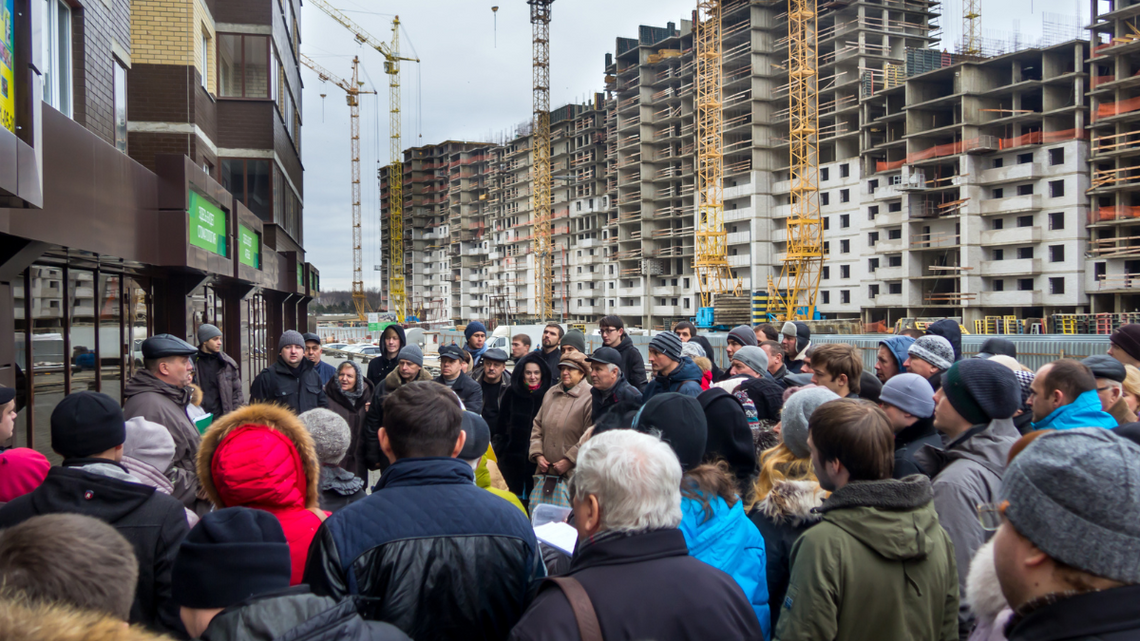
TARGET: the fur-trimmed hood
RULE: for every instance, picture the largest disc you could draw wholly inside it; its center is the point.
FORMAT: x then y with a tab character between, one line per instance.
53	622
983	592
792	503
257	474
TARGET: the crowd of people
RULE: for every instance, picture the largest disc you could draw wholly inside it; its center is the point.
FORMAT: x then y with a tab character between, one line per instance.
791	495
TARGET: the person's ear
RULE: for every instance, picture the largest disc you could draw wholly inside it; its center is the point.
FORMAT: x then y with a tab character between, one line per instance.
592	513
834	467
385	445
841	380
459	442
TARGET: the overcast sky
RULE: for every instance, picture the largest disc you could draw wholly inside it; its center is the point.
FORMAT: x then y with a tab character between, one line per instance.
475	85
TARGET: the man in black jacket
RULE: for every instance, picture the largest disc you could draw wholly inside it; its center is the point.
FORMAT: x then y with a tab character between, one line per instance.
88	431
451	374
609	384
551	347
633	564
435	555
632	363
392	340
494	380
216	373
908	401
291	381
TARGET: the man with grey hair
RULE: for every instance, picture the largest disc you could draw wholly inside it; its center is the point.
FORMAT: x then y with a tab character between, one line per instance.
632	563
610	385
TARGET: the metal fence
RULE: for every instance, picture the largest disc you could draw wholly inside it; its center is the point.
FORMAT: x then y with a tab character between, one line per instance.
1033	350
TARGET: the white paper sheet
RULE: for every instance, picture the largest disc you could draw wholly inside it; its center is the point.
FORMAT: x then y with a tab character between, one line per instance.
560	535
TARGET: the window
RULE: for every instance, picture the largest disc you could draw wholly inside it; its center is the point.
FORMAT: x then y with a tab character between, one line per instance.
825	199
872	186
243	66
872	264
997	193
57	55
1025	190
1024	158
894	288
844	246
872	212
872	291
1056	285
1100	271
844	220
895	206
1025	221
844	170
894	234
205	60
686	302
894	261
845	296
872	238
1057	221
826	296
826	271
1056	253
997	223
120	106
998	285
845	271
1025	284
1057	156
1056	188
826	223
844	195
248	179
998	163
1024	253
823	174
998	254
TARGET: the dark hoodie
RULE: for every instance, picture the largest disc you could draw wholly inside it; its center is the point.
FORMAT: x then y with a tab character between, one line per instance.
685	379
948	328
380	366
633	365
510	435
729	436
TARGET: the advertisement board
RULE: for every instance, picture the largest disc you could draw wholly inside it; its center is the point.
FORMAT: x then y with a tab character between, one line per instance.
249	247
207	225
7	64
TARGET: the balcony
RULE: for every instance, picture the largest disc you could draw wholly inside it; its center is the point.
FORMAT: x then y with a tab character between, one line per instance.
1013	173
1016	267
1011	205
1015	236
1017	298
889	219
739	238
889	246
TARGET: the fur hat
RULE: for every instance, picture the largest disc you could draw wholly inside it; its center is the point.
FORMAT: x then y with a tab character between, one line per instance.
330	433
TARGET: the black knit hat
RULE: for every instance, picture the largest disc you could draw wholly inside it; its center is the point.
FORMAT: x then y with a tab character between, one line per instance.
681	423
86	423
230	556
1127	338
729	437
6	395
981	390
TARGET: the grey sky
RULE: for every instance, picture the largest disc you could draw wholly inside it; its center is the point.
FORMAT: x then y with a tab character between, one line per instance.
475	90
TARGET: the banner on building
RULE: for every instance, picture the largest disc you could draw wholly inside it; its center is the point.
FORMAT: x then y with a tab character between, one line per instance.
7	64
207	225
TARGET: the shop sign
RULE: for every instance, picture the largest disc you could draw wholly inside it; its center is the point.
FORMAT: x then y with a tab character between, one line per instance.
207	225
249	246
373	323
7	64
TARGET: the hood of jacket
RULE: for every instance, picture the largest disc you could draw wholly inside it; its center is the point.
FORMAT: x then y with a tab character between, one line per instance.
393	382
704	532
687	370
518	381
898	345
983	592
399	332
149	443
29	621
336	394
22	470
339	480
896	519
260	456
144	381
1084	411
66	489
987	447
793	503
950	330
148	474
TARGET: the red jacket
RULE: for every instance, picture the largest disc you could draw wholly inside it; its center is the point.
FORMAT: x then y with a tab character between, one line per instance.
261	456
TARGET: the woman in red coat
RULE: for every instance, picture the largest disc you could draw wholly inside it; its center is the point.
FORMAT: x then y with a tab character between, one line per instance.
262	457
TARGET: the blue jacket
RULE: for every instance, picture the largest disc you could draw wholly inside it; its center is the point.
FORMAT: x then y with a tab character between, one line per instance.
686	379
325	371
1084	412
898	345
730	542
432	553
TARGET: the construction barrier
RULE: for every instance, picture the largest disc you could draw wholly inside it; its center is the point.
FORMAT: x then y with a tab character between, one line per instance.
983	143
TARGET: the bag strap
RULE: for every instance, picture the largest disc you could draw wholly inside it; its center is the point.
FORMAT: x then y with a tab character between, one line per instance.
588	627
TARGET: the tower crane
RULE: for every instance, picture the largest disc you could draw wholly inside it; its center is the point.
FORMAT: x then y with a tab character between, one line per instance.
352	92
397	292
793	296
711	261
971	26
540	170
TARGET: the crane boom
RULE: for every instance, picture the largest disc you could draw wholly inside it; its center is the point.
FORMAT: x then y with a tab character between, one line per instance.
397	294
352	95
540	170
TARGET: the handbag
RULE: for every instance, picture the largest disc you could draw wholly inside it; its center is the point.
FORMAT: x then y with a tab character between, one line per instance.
550	489
588	626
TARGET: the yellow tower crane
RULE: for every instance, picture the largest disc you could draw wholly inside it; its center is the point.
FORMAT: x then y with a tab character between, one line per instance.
352	94
540	170
971	27
793	296
397	291
711	252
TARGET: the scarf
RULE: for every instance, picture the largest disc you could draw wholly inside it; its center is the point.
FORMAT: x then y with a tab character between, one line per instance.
533	388
354	395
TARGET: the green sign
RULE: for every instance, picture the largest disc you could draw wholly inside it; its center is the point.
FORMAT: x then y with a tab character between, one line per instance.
300	275
249	247
207	225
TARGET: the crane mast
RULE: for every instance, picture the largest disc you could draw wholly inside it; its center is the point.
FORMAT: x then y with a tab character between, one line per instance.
540	170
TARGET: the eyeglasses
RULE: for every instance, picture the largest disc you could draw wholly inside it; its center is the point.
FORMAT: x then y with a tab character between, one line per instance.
1102	389
608	330
990	514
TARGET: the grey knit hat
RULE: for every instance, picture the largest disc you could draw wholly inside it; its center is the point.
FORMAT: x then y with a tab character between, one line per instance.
753	358
789	329
693	350
934	350
207	331
743	334
797	411
576	339
330	433
910	393
291	337
1070	494
411	353
668	344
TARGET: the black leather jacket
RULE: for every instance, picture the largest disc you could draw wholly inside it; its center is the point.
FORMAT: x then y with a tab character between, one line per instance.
300	390
296	614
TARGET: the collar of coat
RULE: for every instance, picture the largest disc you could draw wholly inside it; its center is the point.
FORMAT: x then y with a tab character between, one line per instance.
393	379
276	418
888	494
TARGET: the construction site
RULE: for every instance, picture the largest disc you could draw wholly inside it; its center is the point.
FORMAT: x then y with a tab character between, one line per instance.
771	160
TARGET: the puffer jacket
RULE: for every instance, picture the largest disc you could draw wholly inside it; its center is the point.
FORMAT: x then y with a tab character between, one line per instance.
877	566
966	474
729	542
381	366
229	382
355	414
165	404
262	457
510	436
898	346
563	418
633	364
297	614
1084	411
431	553
684	379
782	516
298	389
374	458
949	329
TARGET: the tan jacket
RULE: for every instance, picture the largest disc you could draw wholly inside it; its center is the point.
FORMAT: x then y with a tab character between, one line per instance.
561	422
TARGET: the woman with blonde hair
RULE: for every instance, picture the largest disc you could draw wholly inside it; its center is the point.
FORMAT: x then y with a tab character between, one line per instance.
1131	394
787	489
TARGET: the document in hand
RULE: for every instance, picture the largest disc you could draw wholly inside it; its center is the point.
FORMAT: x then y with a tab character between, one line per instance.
559	535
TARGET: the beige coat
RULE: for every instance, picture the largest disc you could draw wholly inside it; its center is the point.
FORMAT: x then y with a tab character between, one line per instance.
560	423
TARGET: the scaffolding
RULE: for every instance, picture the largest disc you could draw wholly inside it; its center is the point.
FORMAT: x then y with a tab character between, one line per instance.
540	170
